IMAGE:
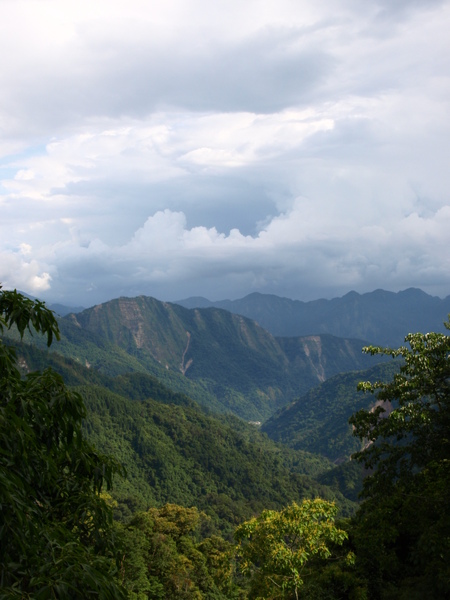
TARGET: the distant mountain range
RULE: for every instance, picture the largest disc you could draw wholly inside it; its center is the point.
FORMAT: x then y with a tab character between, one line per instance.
142	365
62	310
231	363
382	318
222	360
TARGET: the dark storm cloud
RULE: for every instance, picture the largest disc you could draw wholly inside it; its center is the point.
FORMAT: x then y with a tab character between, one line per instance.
267	73
225	201
221	148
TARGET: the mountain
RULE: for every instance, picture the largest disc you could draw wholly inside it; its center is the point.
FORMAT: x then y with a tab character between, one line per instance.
178	454
59	309
175	451
383	318
222	360
318	421
62	310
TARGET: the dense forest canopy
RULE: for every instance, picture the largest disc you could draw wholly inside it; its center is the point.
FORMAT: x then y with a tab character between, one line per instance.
59	538
56	533
403	526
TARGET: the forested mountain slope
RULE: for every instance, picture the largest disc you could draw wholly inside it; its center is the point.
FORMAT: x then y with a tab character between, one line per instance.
222	360
381	317
175	452
318	421
178	454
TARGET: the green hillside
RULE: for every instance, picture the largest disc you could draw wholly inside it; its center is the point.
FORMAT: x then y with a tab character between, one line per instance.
176	452
223	361
173	458
318	421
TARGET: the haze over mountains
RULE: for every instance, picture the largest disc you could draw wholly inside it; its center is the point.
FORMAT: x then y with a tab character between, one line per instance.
130	356
223	360
380	317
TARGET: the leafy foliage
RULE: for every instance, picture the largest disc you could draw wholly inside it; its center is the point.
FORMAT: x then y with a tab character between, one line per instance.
163	558
403	530
56	532
25	314
276	547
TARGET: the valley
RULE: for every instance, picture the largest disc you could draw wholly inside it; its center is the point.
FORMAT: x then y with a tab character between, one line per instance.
221	360
205	408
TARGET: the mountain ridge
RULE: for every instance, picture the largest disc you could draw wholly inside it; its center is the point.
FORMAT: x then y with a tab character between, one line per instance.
380	316
231	356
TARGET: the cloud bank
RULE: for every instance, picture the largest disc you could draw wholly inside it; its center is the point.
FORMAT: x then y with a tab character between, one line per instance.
190	149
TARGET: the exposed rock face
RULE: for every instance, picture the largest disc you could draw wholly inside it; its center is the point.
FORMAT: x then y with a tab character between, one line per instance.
132	319
231	355
313	351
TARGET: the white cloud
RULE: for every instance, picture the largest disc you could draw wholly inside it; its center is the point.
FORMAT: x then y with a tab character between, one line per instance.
166	255
222	147
16	271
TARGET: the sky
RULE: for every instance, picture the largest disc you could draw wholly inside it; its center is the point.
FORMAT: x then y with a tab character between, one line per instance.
184	148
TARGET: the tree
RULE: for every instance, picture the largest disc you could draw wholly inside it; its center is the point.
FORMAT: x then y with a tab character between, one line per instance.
56	531
276	547
403	527
163	560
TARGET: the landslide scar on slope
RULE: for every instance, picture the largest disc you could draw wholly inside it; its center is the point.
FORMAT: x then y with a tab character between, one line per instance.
184	367
133	319
316	362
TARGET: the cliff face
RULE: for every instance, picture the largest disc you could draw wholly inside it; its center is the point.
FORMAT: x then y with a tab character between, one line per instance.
232	356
